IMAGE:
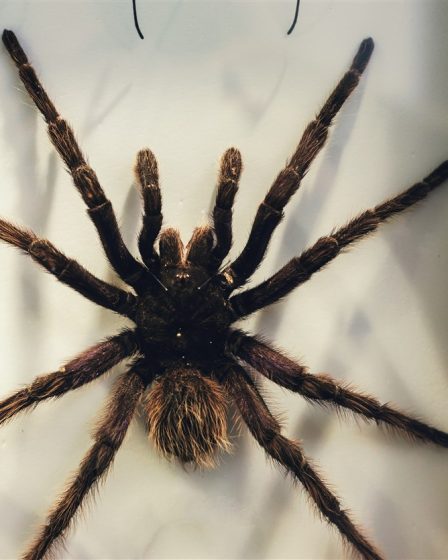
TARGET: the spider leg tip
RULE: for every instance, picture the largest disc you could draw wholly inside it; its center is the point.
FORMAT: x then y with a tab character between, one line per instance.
233	161
13	47
363	55
7	36
439	175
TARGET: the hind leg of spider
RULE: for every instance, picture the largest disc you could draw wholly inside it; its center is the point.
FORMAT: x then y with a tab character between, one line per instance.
299	269
266	430
68	271
88	366
108	438
270	212
84	178
326	391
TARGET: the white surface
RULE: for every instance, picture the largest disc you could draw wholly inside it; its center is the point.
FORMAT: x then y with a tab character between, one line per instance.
209	75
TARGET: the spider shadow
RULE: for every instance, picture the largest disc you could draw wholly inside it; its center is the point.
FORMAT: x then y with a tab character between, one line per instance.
408	245
34	205
252	107
93	119
164	30
406	493
14	516
179	33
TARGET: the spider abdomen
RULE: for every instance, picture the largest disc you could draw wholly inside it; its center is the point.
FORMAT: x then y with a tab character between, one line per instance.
187	417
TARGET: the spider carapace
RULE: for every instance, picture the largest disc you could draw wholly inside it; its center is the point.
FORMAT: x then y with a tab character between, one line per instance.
188	362
186	313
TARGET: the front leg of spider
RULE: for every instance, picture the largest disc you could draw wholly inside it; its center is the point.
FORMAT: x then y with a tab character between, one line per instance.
188	359
84	177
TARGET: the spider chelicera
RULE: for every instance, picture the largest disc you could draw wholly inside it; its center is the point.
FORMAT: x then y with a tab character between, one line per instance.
188	359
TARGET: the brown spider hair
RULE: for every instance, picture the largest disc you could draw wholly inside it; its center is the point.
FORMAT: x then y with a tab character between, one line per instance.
187	417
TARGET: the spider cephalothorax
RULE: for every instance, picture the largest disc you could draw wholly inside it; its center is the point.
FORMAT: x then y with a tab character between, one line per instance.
184	312
189	362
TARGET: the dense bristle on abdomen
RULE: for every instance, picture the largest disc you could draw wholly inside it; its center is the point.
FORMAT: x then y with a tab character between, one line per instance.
187	417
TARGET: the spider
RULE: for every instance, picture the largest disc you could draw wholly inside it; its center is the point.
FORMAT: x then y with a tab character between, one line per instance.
188	360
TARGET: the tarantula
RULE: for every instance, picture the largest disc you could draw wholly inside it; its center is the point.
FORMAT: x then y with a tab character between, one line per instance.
188	359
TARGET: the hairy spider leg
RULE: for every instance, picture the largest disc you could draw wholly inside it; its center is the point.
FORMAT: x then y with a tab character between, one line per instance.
68	271
288	453
229	176
147	177
99	207
299	269
86	367
201	248
270	211
108	438
326	391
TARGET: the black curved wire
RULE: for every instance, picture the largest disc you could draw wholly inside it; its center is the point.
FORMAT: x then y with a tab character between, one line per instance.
137	26
134	9
296	17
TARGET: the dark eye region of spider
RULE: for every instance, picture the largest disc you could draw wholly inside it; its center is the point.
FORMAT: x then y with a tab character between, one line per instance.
188	360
